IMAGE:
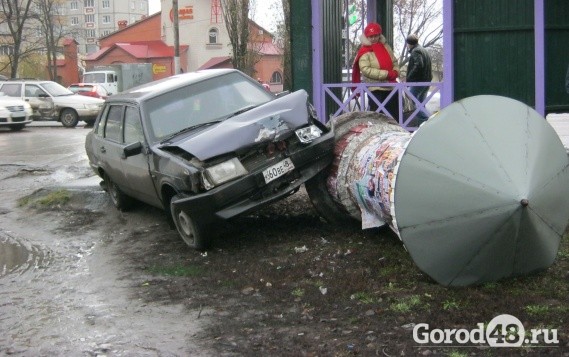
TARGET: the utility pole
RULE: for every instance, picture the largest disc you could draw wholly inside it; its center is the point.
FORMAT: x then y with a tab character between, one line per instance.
176	37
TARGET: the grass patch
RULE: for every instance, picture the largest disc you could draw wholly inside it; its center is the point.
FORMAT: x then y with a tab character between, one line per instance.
450	305
457	354
52	199
177	270
406	305
298	292
363	297
537	309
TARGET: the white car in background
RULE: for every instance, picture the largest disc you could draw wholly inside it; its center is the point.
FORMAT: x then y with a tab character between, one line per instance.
14	113
52	101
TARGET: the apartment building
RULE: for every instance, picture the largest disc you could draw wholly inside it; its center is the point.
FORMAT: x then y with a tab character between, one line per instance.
90	19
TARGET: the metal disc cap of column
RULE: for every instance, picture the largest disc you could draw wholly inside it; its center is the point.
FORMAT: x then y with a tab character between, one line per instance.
481	192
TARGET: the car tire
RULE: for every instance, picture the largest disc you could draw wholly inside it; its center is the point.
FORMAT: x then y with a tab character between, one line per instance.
193	233
69	118
120	200
323	203
17	127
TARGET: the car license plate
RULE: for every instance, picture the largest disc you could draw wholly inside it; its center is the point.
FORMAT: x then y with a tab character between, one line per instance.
278	170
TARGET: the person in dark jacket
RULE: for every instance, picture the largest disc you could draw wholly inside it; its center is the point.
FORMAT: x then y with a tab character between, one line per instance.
418	70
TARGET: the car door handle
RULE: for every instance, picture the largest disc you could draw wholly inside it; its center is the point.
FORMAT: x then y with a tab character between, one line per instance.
103	150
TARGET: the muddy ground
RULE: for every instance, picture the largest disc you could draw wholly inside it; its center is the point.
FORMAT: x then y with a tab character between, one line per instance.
280	282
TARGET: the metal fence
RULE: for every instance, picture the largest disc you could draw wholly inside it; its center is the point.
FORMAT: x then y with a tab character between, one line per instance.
356	97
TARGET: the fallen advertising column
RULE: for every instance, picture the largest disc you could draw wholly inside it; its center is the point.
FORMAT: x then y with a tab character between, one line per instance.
478	193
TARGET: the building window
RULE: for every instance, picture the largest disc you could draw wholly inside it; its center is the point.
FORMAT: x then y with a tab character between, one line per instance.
6	50
106	19
90	18
106	4
132	5
89	3
90	48
74	20
276	78
213	36
90	33
73	5
106	32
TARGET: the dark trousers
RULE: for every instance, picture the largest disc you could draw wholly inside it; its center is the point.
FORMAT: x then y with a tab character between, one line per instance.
420	93
391	106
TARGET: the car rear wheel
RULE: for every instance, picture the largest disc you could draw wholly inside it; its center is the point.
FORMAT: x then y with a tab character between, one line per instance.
69	118
193	233
120	200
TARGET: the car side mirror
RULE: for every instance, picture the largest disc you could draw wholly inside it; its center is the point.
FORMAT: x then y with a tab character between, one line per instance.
132	149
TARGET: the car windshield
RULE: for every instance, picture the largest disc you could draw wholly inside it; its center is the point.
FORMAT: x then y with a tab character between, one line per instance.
212	100
56	89
94	77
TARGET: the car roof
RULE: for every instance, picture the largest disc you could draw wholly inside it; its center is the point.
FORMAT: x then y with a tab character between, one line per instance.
31	81
165	85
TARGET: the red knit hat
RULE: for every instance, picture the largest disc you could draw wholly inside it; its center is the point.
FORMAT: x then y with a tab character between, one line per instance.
372	29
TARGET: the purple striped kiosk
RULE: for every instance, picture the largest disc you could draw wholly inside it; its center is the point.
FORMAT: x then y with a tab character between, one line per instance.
478	193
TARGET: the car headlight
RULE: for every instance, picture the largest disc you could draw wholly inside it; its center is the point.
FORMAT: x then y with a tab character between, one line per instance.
308	134
93	106
221	173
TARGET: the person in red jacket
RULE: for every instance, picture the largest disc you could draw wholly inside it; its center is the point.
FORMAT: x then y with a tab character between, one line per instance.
375	63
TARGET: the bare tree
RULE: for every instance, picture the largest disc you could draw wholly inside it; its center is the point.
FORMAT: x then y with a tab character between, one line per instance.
52	28
236	17
15	16
283	41
420	17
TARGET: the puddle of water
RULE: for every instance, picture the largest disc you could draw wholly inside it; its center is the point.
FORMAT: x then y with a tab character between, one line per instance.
16	257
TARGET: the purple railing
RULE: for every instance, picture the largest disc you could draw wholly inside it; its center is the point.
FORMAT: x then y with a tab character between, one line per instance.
356	97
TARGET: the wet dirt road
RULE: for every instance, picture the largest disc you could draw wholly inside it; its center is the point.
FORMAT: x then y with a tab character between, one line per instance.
63	289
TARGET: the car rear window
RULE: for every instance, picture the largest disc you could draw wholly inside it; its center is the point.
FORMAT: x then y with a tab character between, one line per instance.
12	90
76	89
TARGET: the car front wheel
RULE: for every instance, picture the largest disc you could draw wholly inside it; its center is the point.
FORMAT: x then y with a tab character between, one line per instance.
193	233
120	200
69	118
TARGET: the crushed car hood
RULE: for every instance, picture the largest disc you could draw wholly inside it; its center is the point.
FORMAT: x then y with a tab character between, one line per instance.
268	122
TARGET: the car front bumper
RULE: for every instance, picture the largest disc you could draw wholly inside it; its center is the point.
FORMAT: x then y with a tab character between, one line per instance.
251	192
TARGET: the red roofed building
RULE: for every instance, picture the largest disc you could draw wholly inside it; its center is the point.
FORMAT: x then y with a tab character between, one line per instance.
138	43
204	43
68	66
269	69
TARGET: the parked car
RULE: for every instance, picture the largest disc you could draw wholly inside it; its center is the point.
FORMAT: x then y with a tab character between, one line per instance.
14	112
52	101
206	146
89	89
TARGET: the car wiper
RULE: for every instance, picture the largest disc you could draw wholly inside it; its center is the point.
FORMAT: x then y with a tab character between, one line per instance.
242	110
185	130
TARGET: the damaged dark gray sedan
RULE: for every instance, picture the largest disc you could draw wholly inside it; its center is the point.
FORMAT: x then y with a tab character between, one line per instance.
206	146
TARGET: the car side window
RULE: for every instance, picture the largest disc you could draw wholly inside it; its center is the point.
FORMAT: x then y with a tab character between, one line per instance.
100	129
12	90
113	128
34	91
132	126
